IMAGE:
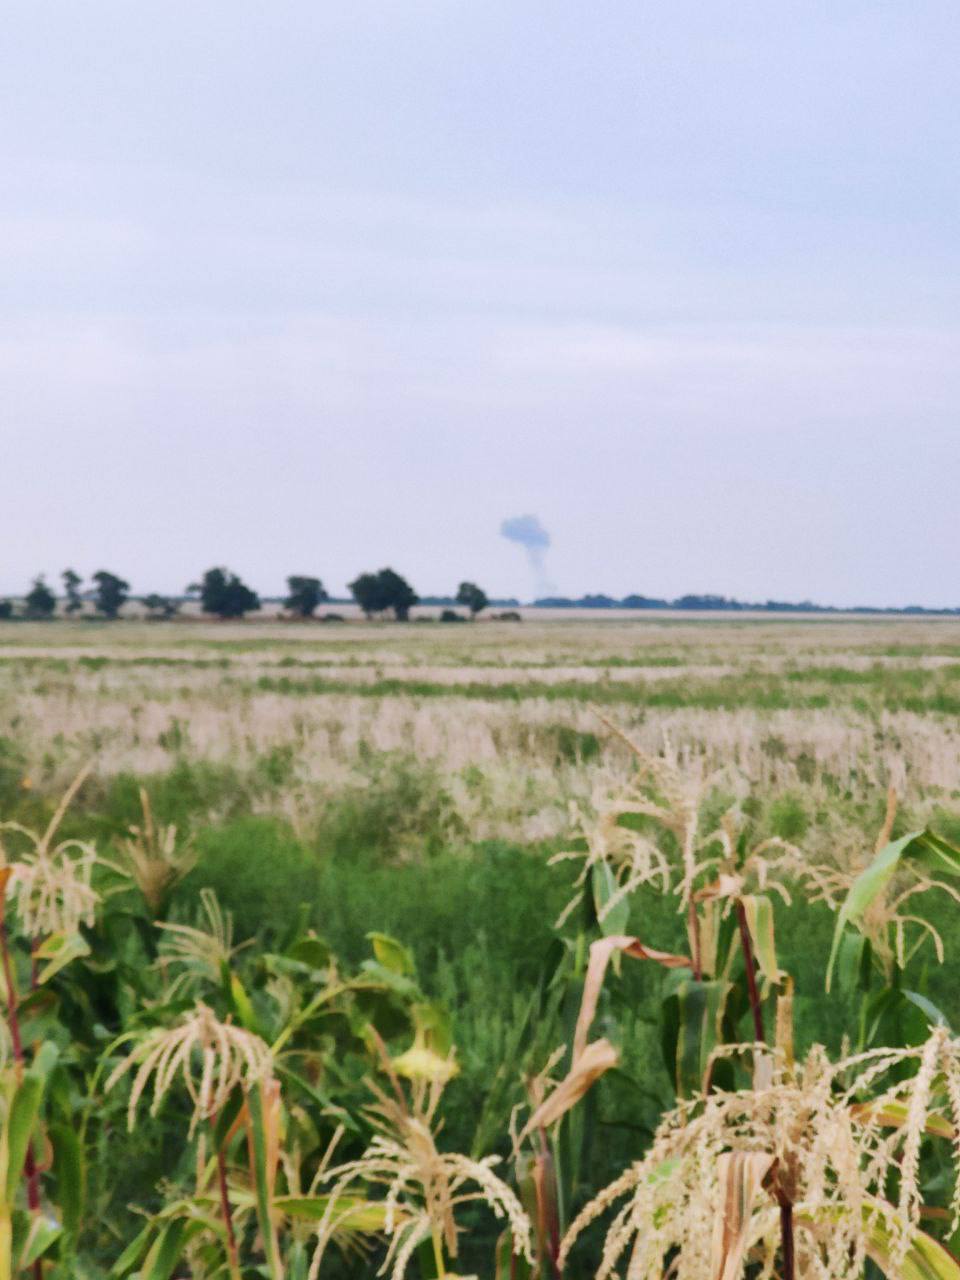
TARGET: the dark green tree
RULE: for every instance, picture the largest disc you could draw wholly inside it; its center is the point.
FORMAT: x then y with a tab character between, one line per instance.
159	606
305	595
224	594
367	593
40	602
473	597
6	609
71	589
112	593
375	592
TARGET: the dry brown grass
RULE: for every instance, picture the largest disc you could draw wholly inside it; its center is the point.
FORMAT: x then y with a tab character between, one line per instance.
500	757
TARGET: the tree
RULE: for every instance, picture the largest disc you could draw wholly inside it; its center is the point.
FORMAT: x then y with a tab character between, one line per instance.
474	597
40	601
305	595
6	609
71	588
159	606
112	593
223	593
367	592
375	592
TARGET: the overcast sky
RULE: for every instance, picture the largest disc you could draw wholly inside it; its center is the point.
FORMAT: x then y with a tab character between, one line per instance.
317	287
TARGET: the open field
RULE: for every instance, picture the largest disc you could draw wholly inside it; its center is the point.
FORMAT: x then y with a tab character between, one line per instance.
415	781
505	716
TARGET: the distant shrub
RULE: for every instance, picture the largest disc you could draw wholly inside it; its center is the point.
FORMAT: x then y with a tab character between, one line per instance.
573	745
12	770
6	609
508	615
276	767
192	790
451	615
789	818
402	810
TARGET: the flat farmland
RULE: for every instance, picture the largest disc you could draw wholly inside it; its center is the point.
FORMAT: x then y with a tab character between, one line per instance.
507	718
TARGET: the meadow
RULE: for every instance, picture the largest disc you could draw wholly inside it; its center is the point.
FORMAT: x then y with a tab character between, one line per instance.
352	839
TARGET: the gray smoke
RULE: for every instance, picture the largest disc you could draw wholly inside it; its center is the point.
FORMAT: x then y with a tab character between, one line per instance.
530	534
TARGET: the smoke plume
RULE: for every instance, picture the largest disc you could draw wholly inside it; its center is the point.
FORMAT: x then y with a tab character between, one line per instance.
530	534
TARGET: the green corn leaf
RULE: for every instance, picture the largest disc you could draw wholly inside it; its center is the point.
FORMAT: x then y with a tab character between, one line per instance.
21	1120
897	1017
758	910
165	1252
927	850
134	1251
693	1015
242	1005
68	1170
604	885
33	1236
355	1213
926	1258
853	962
58	951
227	1118
263	1179
297	1261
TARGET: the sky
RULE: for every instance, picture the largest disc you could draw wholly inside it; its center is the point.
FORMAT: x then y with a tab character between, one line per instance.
305	287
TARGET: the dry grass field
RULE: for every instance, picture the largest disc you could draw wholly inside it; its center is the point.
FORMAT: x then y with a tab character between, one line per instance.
506	716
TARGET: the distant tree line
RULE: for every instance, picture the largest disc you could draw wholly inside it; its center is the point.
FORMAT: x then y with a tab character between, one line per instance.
707	603
223	594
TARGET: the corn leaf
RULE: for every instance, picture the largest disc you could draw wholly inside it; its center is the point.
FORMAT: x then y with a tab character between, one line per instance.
33	1236
600	953
165	1252
741	1175
893	1115
352	1214
692	1029
297	1261
592	1063
758	910
264	1110
933	854
20	1124
604	885
926	1258
133	1252
58	950
68	1170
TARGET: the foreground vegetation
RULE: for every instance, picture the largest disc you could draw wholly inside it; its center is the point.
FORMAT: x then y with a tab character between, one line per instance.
293	966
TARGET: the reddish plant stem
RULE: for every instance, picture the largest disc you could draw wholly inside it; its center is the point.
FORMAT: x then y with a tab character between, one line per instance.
752	991
549	1209
227	1213
786	1238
